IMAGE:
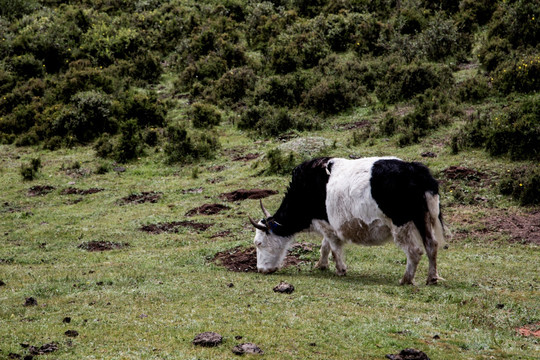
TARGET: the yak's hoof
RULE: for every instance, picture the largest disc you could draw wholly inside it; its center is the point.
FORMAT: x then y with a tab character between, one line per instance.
405	281
341	272
321	267
433	280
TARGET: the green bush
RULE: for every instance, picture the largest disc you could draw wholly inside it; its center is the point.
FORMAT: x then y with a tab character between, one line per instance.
522	75
280	164
442	39
104	146
269	121
130	144
235	84
334	94
494	52
281	90
303	48
184	147
523	184
88	116
26	66
204	116
403	82
30	171
473	90
516	22
145	107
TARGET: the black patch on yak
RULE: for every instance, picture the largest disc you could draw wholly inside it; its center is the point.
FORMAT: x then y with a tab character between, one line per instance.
305	199
399	189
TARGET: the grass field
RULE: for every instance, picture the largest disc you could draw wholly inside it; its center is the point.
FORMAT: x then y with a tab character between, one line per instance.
149	299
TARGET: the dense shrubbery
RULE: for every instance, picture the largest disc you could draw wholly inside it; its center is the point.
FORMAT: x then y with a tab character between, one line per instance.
523	184
71	72
513	131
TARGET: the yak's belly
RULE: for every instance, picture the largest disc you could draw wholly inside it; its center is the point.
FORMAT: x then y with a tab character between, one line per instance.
358	232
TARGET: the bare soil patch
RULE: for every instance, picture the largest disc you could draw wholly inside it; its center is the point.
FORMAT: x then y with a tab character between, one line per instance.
75	191
521	227
102	245
530	330
223	233
284	288
39	190
243	194
145	196
198	190
247	157
241	259
463	173
174	227
355	125
207	209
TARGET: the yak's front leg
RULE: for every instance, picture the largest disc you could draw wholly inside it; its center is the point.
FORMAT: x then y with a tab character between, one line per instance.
336	246
404	237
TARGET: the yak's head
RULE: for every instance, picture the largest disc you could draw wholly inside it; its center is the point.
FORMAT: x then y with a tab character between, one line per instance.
271	248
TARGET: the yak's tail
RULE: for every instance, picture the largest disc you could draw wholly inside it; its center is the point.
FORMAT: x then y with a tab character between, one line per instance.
436	219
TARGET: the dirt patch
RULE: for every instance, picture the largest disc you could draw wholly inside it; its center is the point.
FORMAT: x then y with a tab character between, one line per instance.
245	260
174	227
243	194
39	190
223	233
530	330
30	301
521	227
247	157
145	196
408	354
207	209
44	349
198	190
102	245
355	125
463	173
74	191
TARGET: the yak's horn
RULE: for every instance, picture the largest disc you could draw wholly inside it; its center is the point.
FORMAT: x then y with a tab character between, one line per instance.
257	226
265	212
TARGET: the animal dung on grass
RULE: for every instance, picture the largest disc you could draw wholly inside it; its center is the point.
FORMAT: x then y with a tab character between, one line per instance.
71	333
102	245
284	288
174	227
207	209
30	301
145	196
75	191
243	194
408	354
39	190
247	348
208	339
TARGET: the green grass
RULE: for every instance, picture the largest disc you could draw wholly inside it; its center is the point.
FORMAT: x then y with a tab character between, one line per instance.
149	300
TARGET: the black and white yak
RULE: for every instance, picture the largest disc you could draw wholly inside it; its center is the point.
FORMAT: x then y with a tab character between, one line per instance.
366	201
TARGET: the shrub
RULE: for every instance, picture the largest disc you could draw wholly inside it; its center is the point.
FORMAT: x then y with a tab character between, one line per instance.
281	90
88	116
203	71
473	90
235	84
204	115
334	94
26	66
494	52
269	121
523	184
442	39
410	21
29	171
130	144
183	147
522	75
280	164
103	146
143	107
515	22
403	82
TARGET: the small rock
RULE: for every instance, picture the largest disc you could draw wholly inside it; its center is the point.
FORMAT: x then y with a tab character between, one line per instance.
2	283
119	169
284	287
247	348
436	337
208	339
429	154
66	320
30	301
408	354
231	285
71	333
14	356
238	337
500	306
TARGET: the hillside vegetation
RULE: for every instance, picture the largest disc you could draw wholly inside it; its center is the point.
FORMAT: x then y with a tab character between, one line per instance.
130	130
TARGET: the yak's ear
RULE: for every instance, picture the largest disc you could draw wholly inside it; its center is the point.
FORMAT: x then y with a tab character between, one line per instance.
257	225
265	212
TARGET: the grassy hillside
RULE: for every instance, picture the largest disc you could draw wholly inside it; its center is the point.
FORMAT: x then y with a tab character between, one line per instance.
118	118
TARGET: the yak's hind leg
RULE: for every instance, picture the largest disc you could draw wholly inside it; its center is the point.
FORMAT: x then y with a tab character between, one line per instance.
408	239
322	264
433	236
